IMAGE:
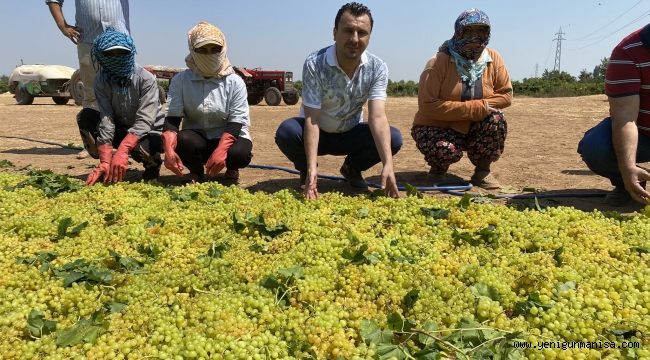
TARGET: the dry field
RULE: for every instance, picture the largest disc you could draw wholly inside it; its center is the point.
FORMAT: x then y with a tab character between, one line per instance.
540	149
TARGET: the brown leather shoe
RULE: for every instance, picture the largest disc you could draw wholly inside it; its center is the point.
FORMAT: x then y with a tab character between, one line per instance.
485	180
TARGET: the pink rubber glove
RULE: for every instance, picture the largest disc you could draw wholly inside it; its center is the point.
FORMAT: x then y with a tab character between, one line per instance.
105	155
121	158
172	160
217	160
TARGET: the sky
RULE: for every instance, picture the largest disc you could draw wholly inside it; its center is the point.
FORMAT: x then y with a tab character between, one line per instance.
278	35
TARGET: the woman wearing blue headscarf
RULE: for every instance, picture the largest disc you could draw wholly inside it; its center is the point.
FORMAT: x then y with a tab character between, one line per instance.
462	91
131	116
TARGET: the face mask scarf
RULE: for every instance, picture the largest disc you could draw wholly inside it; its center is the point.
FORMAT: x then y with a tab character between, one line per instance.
470	62
116	70
208	65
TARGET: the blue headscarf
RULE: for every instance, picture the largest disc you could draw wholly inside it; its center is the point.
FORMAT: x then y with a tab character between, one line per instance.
116	70
468	68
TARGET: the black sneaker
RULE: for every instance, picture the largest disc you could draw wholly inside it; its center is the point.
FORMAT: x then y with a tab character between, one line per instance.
151	173
618	197
353	177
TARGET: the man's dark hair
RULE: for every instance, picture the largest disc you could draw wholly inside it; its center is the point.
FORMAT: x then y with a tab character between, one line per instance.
356	9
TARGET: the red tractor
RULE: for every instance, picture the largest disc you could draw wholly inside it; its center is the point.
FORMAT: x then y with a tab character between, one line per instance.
271	85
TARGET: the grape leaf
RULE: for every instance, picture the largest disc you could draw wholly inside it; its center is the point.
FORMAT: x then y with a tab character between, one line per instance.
38	326
557	255
413	191
153	222
111	218
363	212
114	307
569	285
388	351
429	327
296	272
62	229
464	202
85	330
397	323
482	290
151	251
435	213
126	262
410	298
427	354
372	334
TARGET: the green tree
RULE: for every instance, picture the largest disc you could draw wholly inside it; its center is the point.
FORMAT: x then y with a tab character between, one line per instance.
586	76
298	86
600	69
4	84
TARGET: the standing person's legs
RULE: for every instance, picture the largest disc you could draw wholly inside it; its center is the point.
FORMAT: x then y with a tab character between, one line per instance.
485	143
89	114
440	147
194	150
88	73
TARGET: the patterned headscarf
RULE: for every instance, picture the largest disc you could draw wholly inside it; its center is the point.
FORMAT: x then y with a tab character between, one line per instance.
468	68
207	65
116	70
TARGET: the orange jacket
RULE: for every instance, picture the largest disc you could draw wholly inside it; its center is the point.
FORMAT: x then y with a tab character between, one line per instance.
440	89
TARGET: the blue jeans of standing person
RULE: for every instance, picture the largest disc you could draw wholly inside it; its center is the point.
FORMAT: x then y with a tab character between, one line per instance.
597	151
357	143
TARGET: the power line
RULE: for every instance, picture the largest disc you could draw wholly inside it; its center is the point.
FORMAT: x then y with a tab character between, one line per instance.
615	31
609	23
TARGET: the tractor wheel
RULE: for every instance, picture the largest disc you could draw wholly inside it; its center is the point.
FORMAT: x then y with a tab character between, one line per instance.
254	99
291	98
76	88
22	96
60	100
162	94
272	96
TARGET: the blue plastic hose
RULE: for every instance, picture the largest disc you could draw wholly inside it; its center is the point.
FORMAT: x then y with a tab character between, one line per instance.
459	189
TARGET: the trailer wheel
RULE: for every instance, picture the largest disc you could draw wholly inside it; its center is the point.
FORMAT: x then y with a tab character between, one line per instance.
291	98
22	96
76	88
272	96
60	100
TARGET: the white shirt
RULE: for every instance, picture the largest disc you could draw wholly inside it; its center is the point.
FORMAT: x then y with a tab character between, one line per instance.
327	87
207	105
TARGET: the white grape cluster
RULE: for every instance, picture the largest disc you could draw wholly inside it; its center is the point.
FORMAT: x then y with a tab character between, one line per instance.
206	271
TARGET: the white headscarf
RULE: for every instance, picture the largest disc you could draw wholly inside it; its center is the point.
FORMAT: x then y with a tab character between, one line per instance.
207	65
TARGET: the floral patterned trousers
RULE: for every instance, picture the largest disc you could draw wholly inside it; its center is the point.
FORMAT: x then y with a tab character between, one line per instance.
443	147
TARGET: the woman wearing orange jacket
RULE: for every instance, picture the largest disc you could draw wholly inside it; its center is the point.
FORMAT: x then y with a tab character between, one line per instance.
462	91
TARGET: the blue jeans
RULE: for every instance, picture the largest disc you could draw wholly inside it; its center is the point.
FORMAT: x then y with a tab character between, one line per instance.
597	151
357	143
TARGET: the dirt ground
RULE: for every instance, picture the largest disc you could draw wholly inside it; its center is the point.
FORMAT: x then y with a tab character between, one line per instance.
540	151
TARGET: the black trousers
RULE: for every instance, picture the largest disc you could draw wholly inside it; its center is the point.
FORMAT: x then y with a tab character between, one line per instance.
148	150
195	150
